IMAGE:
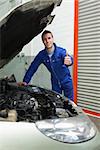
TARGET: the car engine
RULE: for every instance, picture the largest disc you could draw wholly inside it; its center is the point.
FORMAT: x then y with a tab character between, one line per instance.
31	103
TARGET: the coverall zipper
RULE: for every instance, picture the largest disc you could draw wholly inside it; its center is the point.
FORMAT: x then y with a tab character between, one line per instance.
51	61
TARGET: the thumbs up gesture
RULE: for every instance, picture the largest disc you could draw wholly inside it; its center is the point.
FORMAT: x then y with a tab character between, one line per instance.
67	60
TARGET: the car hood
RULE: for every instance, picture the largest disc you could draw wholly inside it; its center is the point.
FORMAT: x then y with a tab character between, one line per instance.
21	24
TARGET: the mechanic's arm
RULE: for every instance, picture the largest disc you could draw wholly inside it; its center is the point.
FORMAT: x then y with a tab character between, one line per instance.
32	69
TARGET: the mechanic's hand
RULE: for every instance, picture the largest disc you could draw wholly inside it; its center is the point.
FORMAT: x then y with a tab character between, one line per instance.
22	83
67	60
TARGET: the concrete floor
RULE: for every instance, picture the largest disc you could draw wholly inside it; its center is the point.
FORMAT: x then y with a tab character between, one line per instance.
96	121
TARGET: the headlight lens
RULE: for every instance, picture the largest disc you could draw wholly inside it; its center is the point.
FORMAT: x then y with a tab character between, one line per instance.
67	130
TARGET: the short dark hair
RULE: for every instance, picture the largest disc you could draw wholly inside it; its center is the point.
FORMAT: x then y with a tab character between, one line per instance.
45	32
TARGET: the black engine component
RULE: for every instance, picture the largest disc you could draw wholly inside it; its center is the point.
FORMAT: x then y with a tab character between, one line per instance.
33	103
4	114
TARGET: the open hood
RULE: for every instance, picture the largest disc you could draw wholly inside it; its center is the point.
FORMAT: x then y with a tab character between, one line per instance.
21	24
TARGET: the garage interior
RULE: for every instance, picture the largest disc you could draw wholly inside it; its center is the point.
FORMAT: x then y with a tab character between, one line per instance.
87	60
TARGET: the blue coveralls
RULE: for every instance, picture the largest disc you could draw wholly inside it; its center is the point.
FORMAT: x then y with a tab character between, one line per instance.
60	75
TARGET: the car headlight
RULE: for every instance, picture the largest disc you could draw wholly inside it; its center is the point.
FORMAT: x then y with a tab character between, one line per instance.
67	130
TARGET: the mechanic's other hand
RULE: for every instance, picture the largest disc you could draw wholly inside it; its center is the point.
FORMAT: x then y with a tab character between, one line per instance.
67	60
22	83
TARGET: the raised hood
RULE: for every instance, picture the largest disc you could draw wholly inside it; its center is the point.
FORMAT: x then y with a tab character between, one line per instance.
21	24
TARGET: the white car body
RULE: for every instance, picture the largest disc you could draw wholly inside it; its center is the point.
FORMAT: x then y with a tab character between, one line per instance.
25	136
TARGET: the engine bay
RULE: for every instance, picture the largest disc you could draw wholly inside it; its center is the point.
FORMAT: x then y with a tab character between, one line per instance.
31	103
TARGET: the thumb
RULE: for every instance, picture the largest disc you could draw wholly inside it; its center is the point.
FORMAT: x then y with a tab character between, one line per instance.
66	54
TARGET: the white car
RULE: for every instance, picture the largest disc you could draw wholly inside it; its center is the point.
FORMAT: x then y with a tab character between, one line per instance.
31	117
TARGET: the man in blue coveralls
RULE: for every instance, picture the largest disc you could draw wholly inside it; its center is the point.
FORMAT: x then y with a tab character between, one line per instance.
57	61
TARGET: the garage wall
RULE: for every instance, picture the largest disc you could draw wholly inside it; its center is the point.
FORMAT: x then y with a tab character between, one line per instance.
89	55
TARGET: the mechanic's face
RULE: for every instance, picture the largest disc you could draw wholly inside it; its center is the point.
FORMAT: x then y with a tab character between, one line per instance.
48	41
